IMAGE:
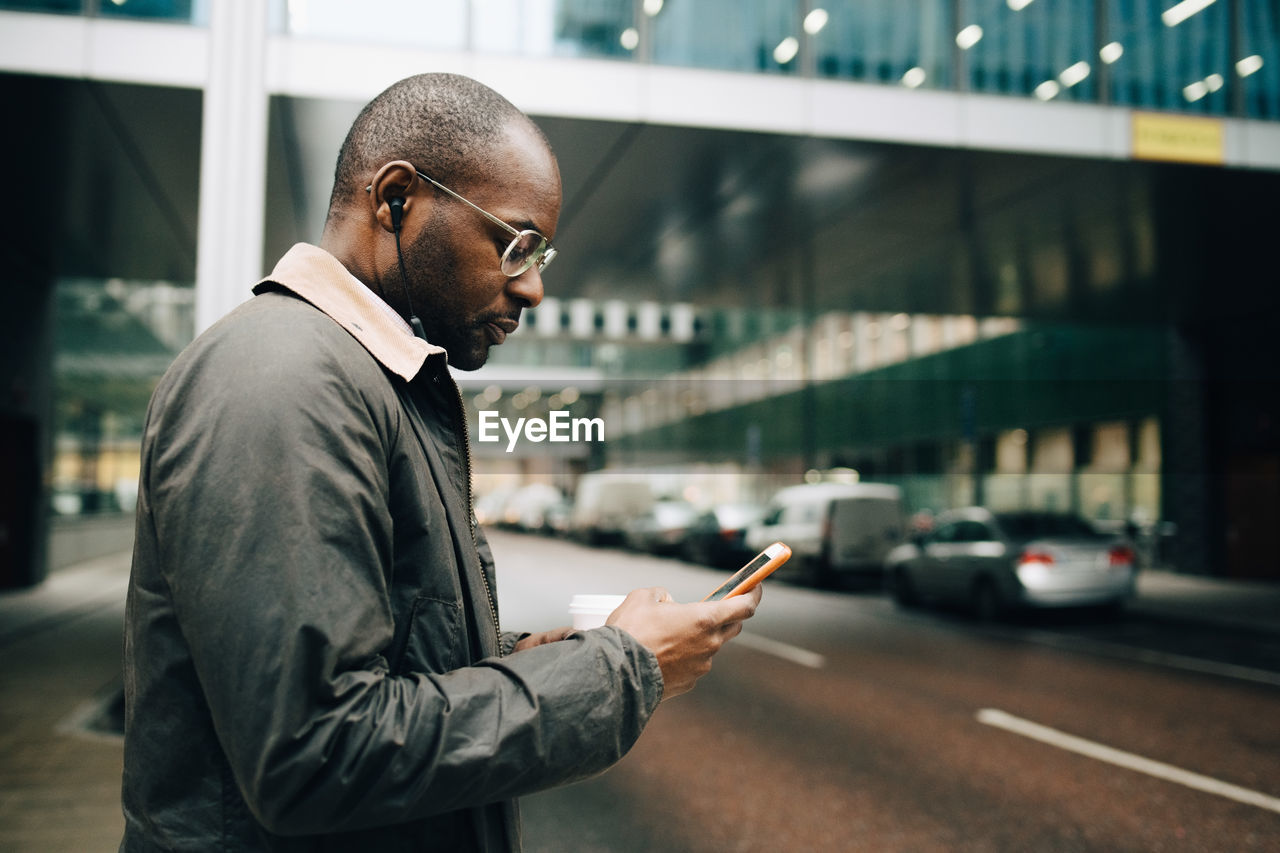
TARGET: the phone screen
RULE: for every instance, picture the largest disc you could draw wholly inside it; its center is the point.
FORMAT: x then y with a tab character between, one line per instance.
758	568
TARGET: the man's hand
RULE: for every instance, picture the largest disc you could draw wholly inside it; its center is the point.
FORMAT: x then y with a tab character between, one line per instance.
684	637
555	635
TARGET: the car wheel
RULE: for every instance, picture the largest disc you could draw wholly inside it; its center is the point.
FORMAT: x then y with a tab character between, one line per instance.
985	602
902	589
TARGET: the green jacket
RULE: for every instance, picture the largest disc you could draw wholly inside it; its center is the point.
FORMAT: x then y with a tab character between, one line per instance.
312	653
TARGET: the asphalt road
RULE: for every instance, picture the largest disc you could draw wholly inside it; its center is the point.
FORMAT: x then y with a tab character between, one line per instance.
837	722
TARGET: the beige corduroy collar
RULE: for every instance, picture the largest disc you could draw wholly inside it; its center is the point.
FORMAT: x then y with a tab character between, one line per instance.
318	277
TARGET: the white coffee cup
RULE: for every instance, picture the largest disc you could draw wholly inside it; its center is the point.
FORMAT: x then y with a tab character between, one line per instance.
591	611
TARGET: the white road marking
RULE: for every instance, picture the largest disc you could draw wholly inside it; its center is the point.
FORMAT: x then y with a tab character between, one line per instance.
1173	661
786	651
1103	648
1062	740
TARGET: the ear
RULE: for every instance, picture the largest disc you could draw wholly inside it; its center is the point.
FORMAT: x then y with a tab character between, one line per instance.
396	180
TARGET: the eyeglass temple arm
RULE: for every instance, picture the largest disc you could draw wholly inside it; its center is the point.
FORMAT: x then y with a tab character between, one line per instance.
486	214
480	210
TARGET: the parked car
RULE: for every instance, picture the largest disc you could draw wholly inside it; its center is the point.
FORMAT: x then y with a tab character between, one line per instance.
606	501
557	519
527	508
718	536
662	529
835	530
491	507
993	562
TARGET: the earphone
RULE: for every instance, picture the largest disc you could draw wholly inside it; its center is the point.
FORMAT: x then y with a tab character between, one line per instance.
397	216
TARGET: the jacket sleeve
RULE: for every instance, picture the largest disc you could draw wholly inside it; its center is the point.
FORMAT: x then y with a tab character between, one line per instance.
265	466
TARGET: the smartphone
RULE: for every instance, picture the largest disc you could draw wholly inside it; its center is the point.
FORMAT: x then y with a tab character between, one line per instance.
750	575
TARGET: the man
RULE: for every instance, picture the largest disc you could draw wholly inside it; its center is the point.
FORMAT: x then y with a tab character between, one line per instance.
313	657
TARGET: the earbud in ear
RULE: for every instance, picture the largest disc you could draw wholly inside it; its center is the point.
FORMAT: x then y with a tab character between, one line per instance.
397	216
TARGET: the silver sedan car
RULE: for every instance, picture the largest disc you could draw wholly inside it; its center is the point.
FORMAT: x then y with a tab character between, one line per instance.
992	562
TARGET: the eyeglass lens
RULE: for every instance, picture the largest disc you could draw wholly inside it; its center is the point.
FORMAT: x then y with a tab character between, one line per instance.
528	248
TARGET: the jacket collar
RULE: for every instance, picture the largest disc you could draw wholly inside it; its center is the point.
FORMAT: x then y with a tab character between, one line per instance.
319	278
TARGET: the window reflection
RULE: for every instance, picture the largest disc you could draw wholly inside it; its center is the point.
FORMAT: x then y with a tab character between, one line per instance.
167	10
1044	49
113	341
1181	67
174	10
1218	58
896	42
71	6
594	28
728	35
1257	68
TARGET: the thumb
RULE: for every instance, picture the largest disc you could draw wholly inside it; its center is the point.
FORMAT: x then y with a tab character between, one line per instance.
739	607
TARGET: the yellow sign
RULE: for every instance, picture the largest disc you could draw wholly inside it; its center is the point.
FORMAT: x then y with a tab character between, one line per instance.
1185	139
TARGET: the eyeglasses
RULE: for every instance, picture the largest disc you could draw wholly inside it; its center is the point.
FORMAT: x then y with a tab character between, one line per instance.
526	248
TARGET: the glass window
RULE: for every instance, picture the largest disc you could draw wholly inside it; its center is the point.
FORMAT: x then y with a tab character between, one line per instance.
114	339
799	514
897	42
169	10
726	34
946	532
190	11
973	531
596	28
505	26
71	6
1163	63
1043	48
1257	68
1035	525
439	24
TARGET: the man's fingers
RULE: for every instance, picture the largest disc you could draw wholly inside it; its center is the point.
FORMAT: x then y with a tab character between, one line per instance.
655	594
740	607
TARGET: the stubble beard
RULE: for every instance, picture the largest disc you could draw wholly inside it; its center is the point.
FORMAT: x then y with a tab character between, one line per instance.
434	281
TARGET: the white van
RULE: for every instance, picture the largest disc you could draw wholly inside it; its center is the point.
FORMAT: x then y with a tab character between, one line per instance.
835	530
606	502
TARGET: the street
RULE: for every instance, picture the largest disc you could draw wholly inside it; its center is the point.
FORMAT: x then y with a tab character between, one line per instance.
837	722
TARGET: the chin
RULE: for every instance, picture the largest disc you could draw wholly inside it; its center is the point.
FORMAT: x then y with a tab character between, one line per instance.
466	352
470	361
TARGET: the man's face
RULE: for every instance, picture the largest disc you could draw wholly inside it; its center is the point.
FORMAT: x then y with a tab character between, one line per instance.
466	303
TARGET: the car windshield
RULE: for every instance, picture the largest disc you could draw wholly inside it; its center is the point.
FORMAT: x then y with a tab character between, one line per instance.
1045	525
673	512
737	515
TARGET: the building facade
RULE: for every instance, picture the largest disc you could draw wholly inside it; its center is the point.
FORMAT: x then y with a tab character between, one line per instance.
1014	252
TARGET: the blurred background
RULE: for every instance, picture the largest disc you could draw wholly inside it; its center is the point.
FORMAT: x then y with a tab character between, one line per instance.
958	297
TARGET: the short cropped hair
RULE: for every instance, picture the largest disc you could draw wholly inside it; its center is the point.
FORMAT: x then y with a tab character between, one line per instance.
444	124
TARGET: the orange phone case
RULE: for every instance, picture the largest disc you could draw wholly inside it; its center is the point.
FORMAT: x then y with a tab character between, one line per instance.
756	570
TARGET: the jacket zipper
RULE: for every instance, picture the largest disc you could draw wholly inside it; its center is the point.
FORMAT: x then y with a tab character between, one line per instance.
471	513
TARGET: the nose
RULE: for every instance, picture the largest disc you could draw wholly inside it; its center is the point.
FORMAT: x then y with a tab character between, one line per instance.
527	287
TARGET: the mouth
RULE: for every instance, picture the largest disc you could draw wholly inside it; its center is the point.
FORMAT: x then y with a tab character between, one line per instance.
498	328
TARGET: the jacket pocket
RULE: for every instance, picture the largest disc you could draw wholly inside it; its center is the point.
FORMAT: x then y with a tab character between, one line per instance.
434	641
